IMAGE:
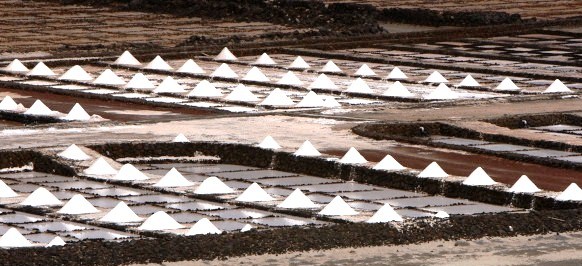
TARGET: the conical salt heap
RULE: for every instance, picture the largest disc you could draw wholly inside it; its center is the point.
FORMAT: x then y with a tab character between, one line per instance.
265	60
73	152
100	168
77	113
311	99
331	67
323	82
572	192
160	221
224	71
297	200
14	239
442	215
16	67
205	89
191	67
365	71
469	81
433	170
41	197
203	227
479	178
140	82
397	74
169	85
524	185
225	55
213	185
338	206
255	74
242	94
254	193
397	90
299	63
76	73
442	92
38	108
126	58
389	164
6	191
128	172
290	79
360	86
107	77
277	98
173	178
307	149
331	102
557	86
41	70
436	77
121	213
246	228
57	241
353	157
385	214
181	138
158	64
78	205
269	143
8	104
507	85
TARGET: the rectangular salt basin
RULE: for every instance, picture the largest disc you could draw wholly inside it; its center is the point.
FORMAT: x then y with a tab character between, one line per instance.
559	127
285	221
156	199
55	226
78	185
462	142
379	194
294	181
20	218
338	187
197	206
504	147
547	153
424	201
100	234
243	213
254	174
113	192
470	209
412	213
188	217
217	168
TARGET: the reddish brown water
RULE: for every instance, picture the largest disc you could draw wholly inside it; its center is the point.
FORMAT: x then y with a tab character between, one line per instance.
107	109
501	170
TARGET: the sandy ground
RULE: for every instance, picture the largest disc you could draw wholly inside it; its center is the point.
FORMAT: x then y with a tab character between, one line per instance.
563	249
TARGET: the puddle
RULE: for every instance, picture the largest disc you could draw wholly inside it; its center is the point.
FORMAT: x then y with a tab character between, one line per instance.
239	213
